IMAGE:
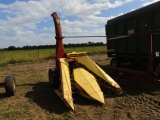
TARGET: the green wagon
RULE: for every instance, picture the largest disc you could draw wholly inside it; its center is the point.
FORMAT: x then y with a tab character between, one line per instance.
135	37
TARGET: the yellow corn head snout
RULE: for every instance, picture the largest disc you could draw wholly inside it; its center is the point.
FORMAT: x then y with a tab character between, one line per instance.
79	77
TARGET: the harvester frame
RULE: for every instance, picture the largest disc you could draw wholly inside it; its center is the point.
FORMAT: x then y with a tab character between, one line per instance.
76	71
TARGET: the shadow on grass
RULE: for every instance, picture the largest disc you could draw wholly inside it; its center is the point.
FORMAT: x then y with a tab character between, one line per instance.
3	95
79	100
133	83
46	98
134	88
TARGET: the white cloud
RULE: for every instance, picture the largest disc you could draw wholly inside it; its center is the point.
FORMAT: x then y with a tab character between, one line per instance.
128	0
149	2
3	6
27	22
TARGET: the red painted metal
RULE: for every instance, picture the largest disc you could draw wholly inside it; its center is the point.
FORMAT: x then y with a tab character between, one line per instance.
157	69
150	67
129	74
60	53
115	69
150	70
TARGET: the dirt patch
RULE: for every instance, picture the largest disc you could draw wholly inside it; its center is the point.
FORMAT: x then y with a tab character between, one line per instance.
35	99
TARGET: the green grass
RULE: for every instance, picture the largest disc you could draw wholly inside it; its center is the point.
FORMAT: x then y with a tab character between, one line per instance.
88	49
18	56
10	57
18	111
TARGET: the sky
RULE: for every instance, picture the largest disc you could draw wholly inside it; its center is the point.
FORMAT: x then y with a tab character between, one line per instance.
29	22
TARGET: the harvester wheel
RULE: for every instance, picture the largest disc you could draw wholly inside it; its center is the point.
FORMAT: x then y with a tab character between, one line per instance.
10	85
53	77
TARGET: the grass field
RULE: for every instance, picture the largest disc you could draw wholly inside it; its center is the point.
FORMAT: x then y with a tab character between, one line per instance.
35	99
9	57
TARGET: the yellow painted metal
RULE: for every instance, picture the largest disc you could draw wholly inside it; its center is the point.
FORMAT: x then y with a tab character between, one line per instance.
92	66
65	88
84	82
75	54
88	86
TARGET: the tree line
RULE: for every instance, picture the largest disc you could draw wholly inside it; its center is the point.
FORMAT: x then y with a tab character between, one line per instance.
53	46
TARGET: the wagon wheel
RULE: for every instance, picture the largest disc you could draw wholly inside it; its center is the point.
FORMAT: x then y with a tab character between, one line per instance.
115	62
10	85
53	76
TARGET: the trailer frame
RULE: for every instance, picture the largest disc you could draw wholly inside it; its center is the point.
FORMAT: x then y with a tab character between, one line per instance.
137	75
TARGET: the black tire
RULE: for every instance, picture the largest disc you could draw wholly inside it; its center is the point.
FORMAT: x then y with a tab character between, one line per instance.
115	62
10	85
53	76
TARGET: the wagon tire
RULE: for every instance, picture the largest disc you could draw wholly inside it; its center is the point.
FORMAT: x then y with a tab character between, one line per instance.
10	85
115	62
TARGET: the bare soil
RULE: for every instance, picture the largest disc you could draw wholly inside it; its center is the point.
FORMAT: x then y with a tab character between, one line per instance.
35	99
